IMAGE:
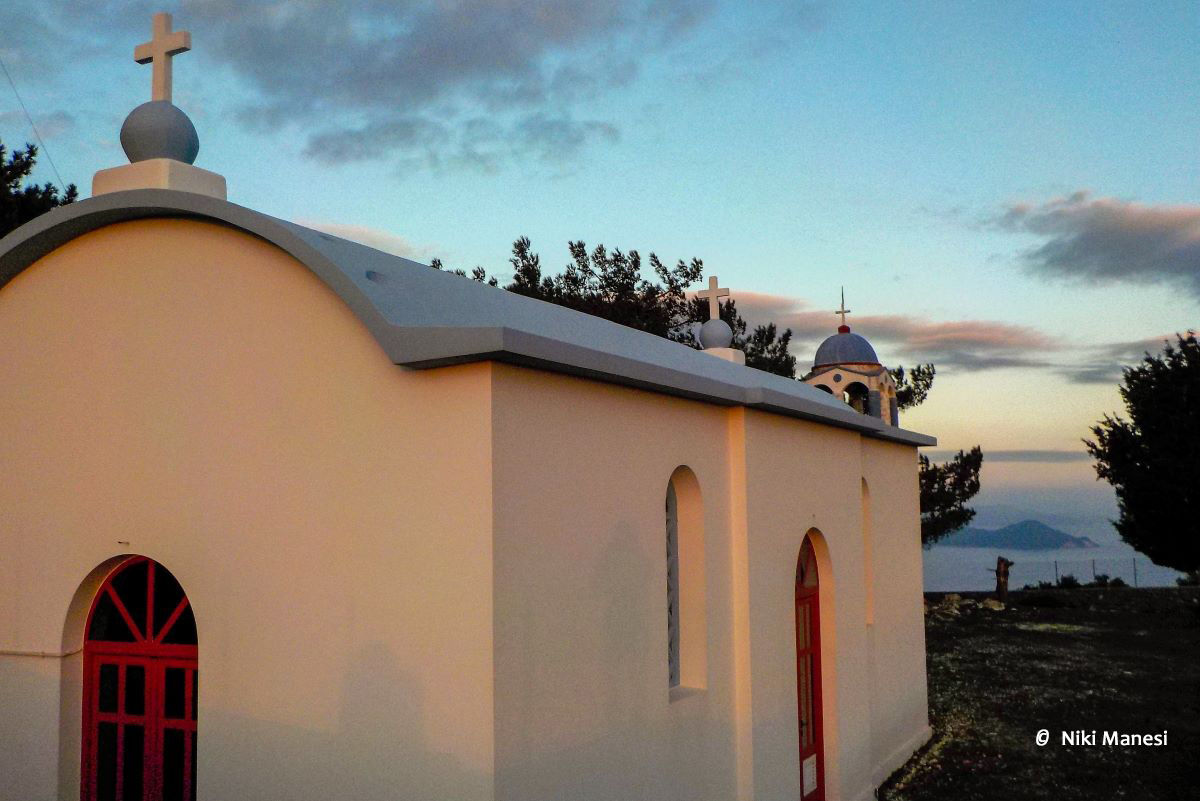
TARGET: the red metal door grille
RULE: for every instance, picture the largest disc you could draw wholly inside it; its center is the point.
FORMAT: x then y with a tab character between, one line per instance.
139	689
808	676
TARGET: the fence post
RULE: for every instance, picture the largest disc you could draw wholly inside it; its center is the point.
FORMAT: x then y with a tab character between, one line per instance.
1135	572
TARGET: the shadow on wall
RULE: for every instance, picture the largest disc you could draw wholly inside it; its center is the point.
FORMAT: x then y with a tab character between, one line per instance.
617	742
377	752
29	727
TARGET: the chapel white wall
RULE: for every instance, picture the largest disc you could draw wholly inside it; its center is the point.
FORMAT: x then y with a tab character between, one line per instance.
195	392
582	705
583	709
802	476
897	636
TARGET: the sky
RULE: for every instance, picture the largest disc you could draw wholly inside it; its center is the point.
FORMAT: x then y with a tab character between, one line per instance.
1008	190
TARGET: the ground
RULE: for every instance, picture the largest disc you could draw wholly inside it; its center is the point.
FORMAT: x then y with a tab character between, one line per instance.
1123	660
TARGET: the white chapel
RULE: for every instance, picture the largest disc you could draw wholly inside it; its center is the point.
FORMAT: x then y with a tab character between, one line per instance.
285	517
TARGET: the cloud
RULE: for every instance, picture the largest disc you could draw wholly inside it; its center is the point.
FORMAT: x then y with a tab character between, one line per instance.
1103	364
471	83
1017	456
405	81
371	237
965	344
1104	240
49	125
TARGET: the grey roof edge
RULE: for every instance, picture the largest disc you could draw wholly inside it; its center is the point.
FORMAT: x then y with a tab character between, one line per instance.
602	350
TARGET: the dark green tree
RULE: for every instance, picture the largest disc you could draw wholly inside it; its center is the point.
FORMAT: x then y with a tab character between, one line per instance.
912	389
945	490
1152	459
611	285
20	204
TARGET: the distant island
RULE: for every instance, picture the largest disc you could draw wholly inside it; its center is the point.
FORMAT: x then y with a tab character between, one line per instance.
1028	535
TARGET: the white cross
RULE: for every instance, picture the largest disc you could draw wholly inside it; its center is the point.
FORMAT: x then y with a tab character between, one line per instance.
843	311
712	293
162	46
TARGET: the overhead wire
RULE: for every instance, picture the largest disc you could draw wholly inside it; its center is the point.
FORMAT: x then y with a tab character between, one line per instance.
36	133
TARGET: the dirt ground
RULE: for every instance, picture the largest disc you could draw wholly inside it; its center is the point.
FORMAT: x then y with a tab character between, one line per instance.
1103	660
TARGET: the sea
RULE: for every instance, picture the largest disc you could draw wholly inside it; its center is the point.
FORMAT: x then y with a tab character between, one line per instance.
1064	495
950	569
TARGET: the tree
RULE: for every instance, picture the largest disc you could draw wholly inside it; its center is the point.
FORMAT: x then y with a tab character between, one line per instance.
945	490
610	285
911	390
20	204
1152	459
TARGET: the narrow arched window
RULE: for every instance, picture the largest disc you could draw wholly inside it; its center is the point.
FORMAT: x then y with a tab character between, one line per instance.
687	628
868	553
672	585
140	688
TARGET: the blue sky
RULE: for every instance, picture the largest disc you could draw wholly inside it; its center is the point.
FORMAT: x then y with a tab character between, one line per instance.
1009	190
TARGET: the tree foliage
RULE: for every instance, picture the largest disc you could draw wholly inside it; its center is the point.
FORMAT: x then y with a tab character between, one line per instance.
945	490
20	204
912	389
610	284
1152	459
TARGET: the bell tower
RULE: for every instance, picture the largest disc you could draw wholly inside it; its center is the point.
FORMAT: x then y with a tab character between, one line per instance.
846	367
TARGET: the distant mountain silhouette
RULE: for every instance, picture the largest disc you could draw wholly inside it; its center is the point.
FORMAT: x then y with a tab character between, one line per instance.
1028	535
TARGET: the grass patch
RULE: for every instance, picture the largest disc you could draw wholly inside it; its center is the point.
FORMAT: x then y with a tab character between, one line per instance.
1095	660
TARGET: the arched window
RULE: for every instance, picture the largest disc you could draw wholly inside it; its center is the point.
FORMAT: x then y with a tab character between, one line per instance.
672	586
687	629
139	688
808	674
868	553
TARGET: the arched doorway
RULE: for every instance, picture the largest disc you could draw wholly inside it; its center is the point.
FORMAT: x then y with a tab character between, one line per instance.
139	688
808	675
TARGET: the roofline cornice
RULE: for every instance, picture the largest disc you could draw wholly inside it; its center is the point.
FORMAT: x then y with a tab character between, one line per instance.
569	342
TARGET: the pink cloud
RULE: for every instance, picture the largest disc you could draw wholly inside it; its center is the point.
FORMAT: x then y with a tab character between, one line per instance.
966	344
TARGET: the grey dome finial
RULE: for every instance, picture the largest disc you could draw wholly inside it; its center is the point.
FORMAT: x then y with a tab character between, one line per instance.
716	336
716	333
159	130
158	138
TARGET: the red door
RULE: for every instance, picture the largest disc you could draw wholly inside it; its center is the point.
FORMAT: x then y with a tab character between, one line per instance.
808	676
139	689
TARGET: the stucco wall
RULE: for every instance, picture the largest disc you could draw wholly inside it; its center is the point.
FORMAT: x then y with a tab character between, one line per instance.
583	709
195	393
802	477
582	705
897	636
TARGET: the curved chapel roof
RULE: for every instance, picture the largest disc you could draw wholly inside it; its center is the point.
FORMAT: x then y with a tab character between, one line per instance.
425	318
845	347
